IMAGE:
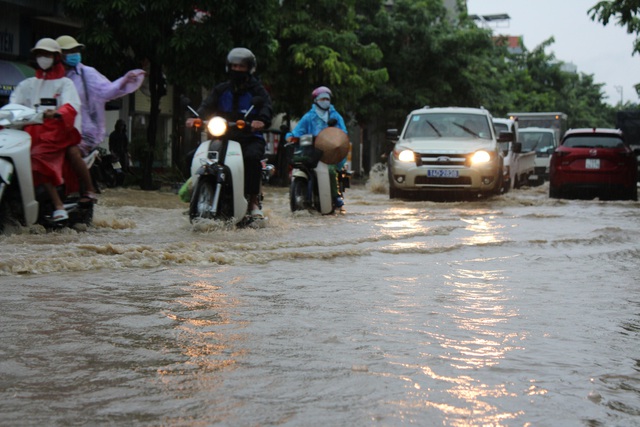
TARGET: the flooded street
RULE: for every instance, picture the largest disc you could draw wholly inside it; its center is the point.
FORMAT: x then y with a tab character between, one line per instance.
518	310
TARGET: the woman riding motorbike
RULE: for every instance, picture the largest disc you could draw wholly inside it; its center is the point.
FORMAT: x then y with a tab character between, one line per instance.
314	121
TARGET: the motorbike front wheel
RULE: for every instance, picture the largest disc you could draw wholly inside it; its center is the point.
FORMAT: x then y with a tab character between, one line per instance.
202	199
298	194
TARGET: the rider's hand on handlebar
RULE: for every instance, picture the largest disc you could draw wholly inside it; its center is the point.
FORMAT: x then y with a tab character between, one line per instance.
49	114
257	125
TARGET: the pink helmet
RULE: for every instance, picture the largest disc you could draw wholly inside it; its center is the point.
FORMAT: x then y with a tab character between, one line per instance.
320	90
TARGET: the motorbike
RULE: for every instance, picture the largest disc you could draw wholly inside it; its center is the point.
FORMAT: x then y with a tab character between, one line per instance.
105	169
217	173
19	200
310	179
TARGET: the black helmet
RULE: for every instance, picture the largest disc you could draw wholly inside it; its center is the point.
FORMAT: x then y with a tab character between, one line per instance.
241	55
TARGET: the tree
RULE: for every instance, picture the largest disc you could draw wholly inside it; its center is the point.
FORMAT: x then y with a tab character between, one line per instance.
540	84
318	44
186	40
433	59
627	13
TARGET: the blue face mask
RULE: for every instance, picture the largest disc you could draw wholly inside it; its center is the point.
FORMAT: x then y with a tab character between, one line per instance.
73	59
324	104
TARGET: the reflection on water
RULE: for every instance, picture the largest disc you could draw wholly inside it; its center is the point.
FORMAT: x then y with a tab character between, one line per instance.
478	308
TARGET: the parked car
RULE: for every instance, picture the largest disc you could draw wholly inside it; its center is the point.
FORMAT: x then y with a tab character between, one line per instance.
541	141
518	166
594	162
446	150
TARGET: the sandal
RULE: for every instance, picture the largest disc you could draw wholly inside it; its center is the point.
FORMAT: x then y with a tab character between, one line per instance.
257	214
88	197
59	215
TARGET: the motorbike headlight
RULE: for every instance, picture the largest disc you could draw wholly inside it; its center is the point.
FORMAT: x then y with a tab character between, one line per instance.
306	140
217	126
406	156
480	157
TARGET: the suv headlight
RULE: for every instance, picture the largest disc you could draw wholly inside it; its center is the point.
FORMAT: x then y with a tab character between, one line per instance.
406	156
480	157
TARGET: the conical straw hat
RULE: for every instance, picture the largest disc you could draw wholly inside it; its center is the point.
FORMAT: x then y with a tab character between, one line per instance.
334	144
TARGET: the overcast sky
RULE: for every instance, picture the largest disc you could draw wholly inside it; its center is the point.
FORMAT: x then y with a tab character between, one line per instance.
595	49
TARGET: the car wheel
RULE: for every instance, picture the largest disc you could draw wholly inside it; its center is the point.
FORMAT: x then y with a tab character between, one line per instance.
632	194
499	186
554	192
394	193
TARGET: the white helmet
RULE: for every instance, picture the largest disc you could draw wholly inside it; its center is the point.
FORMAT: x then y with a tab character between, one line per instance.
68	43
50	45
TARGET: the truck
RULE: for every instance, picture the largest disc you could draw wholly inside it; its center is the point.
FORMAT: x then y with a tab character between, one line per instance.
540	132
519	166
552	120
629	123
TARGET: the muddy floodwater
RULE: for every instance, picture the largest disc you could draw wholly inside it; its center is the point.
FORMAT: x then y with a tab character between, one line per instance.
518	310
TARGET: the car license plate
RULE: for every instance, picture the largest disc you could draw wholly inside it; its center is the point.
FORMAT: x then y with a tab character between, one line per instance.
442	173
592	163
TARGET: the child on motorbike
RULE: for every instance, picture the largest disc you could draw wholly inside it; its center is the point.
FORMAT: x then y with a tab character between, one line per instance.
231	100
51	93
314	121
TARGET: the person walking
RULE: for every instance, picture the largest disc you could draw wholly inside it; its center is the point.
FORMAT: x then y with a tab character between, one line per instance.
119	144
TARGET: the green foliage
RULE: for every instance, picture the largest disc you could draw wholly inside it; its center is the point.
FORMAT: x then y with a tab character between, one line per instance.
318	44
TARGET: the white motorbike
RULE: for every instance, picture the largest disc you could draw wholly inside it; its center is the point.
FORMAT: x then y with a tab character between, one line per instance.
217	173
19	200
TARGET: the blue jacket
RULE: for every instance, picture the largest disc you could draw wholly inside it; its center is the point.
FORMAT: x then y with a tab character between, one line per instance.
312	124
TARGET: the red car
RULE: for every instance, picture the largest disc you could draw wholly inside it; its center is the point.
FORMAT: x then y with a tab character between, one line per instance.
594	162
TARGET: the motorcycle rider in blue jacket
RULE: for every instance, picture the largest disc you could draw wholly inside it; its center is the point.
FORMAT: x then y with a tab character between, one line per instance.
231	100
314	121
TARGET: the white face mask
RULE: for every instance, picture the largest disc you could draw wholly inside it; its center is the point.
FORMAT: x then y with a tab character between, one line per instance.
324	104
44	62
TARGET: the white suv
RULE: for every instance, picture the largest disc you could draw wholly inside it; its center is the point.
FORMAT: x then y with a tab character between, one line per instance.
446	150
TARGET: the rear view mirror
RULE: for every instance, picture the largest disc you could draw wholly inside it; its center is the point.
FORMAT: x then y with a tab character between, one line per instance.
257	101
506	137
392	133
